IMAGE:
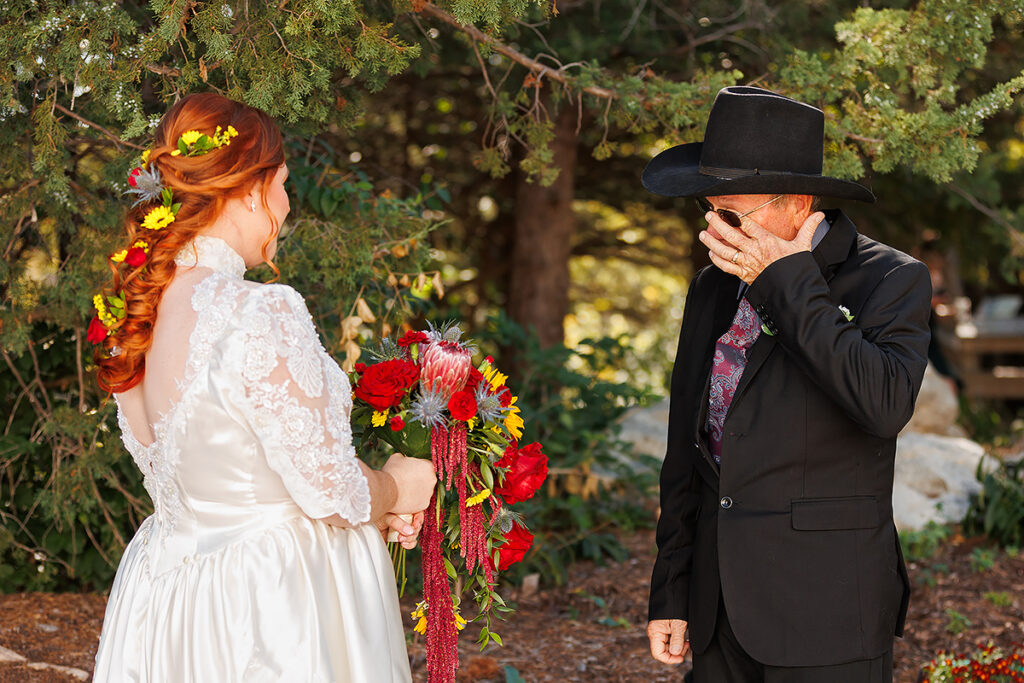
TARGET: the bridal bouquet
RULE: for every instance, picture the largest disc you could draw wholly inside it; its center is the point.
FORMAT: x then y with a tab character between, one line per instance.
424	397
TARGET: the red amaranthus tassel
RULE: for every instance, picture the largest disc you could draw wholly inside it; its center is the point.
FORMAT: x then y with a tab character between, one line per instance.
442	635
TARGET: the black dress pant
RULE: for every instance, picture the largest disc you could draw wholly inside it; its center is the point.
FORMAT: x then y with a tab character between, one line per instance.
725	661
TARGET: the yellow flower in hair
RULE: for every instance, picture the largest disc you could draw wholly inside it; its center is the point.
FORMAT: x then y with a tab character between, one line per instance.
232	132
119	256
145	157
158	218
142	244
191	137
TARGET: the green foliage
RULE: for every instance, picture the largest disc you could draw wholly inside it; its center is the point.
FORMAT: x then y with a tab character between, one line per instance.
921	545
596	486
999	598
982	559
998	510
958	623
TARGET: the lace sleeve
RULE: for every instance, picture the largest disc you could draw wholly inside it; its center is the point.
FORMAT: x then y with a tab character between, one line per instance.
299	403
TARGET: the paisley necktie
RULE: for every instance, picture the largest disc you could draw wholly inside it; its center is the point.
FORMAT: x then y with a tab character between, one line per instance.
727	368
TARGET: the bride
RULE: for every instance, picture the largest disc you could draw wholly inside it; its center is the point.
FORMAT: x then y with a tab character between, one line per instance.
264	559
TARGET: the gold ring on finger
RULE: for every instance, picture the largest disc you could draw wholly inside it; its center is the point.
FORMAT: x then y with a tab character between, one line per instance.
736	256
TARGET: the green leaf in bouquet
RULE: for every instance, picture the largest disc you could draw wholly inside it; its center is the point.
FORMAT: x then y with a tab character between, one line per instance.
487	475
449	567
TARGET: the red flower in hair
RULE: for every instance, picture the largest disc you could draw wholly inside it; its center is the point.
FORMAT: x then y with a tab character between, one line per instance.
413	337
97	331
131	176
135	257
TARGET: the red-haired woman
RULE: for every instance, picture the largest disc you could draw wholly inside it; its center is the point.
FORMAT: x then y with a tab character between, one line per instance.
264	559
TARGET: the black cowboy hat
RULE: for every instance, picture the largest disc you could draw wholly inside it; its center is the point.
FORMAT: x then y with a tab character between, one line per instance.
755	142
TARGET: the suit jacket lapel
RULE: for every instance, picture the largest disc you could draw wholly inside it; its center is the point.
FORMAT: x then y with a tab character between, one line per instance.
829	254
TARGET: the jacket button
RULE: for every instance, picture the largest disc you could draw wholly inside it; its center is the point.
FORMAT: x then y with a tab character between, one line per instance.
726	502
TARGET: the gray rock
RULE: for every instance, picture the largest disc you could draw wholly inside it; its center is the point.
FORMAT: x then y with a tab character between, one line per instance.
10	655
937	407
646	429
935	477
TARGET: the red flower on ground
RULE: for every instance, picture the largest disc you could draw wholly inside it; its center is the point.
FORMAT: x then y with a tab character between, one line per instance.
131	176
413	337
397	424
97	331
527	469
384	385
517	542
462	405
135	257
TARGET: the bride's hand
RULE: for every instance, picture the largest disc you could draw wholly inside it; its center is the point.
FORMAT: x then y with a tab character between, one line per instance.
408	532
414	481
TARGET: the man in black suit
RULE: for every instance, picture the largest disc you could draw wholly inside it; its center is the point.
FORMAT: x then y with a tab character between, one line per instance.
801	353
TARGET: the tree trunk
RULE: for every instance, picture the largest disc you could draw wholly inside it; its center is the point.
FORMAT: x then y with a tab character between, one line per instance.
538	295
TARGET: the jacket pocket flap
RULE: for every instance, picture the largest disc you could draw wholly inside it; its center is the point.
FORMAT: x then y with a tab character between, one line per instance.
824	514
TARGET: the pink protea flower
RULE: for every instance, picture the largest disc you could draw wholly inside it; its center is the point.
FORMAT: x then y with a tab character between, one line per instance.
444	367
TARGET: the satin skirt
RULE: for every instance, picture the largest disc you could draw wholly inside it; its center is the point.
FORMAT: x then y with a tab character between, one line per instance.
298	601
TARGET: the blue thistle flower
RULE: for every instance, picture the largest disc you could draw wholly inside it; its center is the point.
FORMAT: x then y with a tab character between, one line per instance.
488	405
148	186
428	409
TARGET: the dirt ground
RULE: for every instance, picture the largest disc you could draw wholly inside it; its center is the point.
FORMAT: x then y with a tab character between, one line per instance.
591	629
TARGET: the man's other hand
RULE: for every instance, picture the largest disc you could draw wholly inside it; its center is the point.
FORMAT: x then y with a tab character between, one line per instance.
669	640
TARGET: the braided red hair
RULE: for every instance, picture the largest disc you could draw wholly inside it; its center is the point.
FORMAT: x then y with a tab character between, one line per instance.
202	184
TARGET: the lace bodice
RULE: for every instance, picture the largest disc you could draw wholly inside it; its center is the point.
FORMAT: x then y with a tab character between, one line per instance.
263	411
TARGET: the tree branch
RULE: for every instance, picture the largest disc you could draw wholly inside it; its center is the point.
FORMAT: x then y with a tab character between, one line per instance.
118	141
1016	237
516	56
163	70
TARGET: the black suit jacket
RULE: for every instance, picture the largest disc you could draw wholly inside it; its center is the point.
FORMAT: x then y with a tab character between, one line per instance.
795	527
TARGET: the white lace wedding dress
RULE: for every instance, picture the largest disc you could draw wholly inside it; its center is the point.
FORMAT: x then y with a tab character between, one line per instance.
233	578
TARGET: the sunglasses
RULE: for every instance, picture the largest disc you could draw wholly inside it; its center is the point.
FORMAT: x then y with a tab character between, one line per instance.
731	217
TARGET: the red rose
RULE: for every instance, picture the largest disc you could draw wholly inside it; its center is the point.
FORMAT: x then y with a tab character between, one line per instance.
527	469
360	368
505	397
474	379
517	542
131	176
384	385
397	423
413	337
97	331
135	257
462	405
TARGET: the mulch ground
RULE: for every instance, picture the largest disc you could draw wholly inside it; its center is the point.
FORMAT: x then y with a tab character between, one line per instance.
592	628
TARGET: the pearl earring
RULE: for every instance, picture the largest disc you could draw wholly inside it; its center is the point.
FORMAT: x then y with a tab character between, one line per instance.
252	205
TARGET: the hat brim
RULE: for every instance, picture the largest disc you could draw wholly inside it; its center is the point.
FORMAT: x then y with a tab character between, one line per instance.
675	173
